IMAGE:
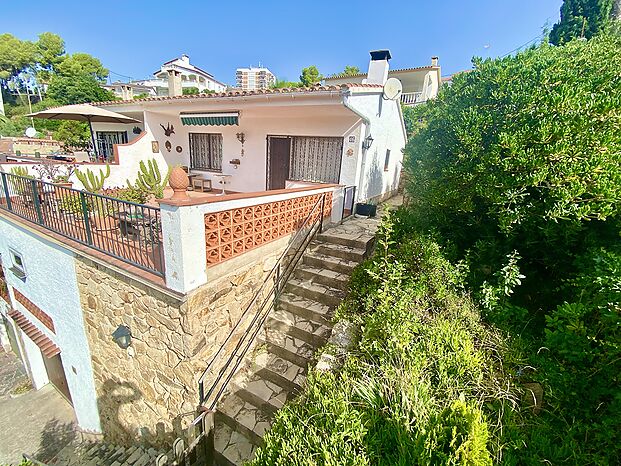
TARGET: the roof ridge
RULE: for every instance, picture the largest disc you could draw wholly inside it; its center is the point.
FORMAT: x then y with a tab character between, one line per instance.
243	93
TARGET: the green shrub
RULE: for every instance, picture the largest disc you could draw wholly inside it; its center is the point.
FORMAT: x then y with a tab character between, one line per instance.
133	194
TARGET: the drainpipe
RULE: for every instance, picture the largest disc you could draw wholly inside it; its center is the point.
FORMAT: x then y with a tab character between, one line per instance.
367	132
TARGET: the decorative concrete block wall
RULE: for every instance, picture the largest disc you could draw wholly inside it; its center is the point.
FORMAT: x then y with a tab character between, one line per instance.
235	231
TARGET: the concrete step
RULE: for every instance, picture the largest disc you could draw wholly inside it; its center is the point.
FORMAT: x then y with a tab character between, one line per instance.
322	276
243	417
265	395
337	250
313	333
306	308
231	447
301	358
279	371
314	291
354	240
323	261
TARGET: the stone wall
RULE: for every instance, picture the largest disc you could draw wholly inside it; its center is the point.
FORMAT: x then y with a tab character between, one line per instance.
150	391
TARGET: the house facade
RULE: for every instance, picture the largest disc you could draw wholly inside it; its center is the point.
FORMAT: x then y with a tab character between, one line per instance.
419	84
174	277
190	76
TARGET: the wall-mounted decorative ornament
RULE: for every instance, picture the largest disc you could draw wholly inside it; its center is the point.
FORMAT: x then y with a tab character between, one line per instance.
168	146
168	129
155	147
350	152
179	149
136	130
352	139
235	162
241	137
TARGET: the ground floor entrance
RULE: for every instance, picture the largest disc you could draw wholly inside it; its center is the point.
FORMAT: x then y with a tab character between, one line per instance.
56	375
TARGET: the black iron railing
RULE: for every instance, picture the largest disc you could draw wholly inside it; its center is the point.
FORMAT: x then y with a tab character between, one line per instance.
216	377
349	202
124	230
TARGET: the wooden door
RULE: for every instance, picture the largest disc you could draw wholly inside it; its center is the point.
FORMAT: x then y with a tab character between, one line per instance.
56	374
279	153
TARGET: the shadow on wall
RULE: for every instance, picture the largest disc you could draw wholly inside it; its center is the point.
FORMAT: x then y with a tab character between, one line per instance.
56	435
119	407
375	180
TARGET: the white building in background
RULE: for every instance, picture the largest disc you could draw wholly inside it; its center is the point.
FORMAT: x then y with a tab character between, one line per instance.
251	79
420	84
191	77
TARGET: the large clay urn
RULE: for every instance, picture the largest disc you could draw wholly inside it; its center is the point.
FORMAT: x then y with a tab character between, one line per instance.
179	183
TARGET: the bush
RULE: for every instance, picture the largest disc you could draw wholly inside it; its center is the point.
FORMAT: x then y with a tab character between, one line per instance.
419	387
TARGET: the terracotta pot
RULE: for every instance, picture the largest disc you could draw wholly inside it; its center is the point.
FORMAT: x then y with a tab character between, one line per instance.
179	183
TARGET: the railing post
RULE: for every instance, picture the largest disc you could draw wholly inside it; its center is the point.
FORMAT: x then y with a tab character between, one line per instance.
37	203
87	222
5	185
323	201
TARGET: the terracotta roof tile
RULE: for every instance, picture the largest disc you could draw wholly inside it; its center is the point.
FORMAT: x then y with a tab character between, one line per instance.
47	346
417	68
243	93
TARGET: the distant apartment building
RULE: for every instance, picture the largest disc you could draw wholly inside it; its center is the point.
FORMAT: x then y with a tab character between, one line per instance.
251	79
188	75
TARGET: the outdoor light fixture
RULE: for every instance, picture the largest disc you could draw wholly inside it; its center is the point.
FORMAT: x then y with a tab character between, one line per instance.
368	141
122	336
241	137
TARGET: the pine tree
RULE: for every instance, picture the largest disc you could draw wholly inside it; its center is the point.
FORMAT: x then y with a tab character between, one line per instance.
581	18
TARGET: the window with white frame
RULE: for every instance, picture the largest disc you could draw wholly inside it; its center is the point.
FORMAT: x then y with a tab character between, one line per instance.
206	151
17	264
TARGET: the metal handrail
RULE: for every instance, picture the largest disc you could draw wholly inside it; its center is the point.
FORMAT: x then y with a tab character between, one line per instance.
280	277
88	218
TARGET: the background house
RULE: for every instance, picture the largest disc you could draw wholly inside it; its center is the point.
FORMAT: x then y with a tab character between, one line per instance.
250	79
419	84
190	76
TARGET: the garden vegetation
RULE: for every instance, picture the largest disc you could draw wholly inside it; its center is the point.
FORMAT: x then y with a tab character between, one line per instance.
490	314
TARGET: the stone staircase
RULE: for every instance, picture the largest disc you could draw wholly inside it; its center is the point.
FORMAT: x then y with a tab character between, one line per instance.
300	324
96	453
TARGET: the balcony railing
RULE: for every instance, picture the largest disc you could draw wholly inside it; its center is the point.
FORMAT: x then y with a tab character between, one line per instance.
126	231
412	98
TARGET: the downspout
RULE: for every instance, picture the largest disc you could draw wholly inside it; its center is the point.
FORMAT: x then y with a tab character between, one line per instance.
367	132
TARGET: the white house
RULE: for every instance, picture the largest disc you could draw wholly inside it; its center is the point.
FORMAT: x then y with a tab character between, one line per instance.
419	84
190	76
176	275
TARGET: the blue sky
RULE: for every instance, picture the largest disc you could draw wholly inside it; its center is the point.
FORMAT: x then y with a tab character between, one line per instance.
133	37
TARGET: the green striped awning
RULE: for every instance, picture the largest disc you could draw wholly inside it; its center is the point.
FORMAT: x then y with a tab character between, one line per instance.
210	119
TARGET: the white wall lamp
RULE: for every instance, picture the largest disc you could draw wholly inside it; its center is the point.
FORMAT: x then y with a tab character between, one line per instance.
122	336
367	142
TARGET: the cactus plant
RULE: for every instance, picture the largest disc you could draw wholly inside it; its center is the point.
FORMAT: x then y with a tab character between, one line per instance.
21	171
91	182
150	179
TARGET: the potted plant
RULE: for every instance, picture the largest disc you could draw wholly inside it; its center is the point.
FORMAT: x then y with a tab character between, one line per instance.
102	210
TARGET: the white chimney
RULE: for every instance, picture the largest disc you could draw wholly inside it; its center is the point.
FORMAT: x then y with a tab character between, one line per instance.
185	59
174	83
378	67
127	92
434	61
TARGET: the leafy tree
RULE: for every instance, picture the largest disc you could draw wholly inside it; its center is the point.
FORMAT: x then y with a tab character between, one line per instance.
581	18
310	76
73	134
50	49
81	64
350	71
77	89
15	56
283	83
523	154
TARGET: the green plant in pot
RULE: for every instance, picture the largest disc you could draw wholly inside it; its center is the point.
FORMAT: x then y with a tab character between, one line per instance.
21	185
150	179
102	210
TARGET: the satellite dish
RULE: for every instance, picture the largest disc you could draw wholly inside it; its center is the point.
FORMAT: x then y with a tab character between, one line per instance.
393	89
31	132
